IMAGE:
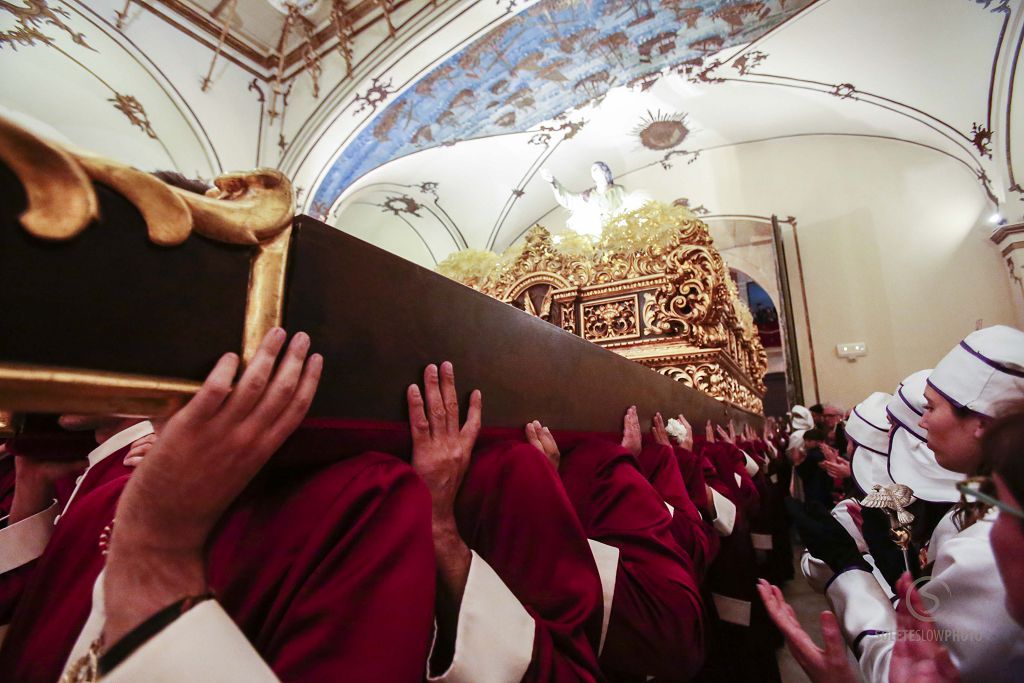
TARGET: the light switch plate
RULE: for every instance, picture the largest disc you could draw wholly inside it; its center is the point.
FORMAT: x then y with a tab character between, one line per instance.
852	350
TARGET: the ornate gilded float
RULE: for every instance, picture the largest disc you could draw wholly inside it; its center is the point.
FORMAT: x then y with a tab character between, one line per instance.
652	288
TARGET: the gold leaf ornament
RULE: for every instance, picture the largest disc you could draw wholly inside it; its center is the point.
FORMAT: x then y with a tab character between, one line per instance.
242	208
61	200
688	321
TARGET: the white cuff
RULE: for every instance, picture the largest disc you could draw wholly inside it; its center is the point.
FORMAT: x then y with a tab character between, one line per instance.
607	559
841	513
867	619
761	541
203	644
726	513
494	638
860	603
24	541
732	610
751	465
817	573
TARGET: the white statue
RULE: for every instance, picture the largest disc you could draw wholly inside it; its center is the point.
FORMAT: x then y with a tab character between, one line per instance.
590	208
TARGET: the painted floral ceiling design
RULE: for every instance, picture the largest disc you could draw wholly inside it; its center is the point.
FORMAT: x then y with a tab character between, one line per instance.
552	57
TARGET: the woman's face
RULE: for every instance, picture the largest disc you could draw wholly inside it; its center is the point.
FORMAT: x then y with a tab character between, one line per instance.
1008	547
955	439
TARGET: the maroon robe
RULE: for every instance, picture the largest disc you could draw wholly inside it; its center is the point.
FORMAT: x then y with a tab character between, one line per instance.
777	564
14	582
329	572
6	484
656	626
692	532
691	468
736	652
514	513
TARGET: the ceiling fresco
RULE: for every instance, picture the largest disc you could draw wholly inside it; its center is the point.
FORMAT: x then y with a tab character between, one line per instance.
552	57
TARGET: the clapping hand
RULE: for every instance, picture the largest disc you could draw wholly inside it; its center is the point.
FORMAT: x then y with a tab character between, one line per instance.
828	665
838	469
835	465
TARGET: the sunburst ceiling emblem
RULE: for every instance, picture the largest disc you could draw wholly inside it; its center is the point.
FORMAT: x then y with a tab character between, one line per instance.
661	131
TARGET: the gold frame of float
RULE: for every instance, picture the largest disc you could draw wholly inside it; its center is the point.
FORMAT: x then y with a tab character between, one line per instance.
652	288
254	209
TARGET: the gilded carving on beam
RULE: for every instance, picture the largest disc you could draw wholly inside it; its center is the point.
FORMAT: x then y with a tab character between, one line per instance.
536	255
714	381
608	320
569	318
253	209
242	208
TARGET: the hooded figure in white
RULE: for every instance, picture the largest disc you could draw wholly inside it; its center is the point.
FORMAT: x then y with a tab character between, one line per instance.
964	593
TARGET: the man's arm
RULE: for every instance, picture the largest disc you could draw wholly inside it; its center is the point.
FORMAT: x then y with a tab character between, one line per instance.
441	455
211	448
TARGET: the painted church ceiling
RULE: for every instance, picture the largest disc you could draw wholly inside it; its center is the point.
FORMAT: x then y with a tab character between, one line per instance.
555	56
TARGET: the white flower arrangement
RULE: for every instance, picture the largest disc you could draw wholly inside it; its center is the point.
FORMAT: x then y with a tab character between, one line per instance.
677	430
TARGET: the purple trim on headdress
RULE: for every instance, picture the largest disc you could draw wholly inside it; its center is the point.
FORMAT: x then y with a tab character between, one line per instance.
858	444
899	392
853	476
944	395
900	424
888	461
991	363
869	422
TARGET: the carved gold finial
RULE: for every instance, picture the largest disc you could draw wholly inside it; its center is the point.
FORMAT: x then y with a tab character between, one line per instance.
61	200
243	208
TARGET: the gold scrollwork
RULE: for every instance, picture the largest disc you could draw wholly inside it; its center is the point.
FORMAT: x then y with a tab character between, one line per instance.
663	258
607	320
713	380
243	208
253	208
569	318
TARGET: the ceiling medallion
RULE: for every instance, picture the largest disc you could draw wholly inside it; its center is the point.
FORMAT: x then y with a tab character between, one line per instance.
661	131
285	6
